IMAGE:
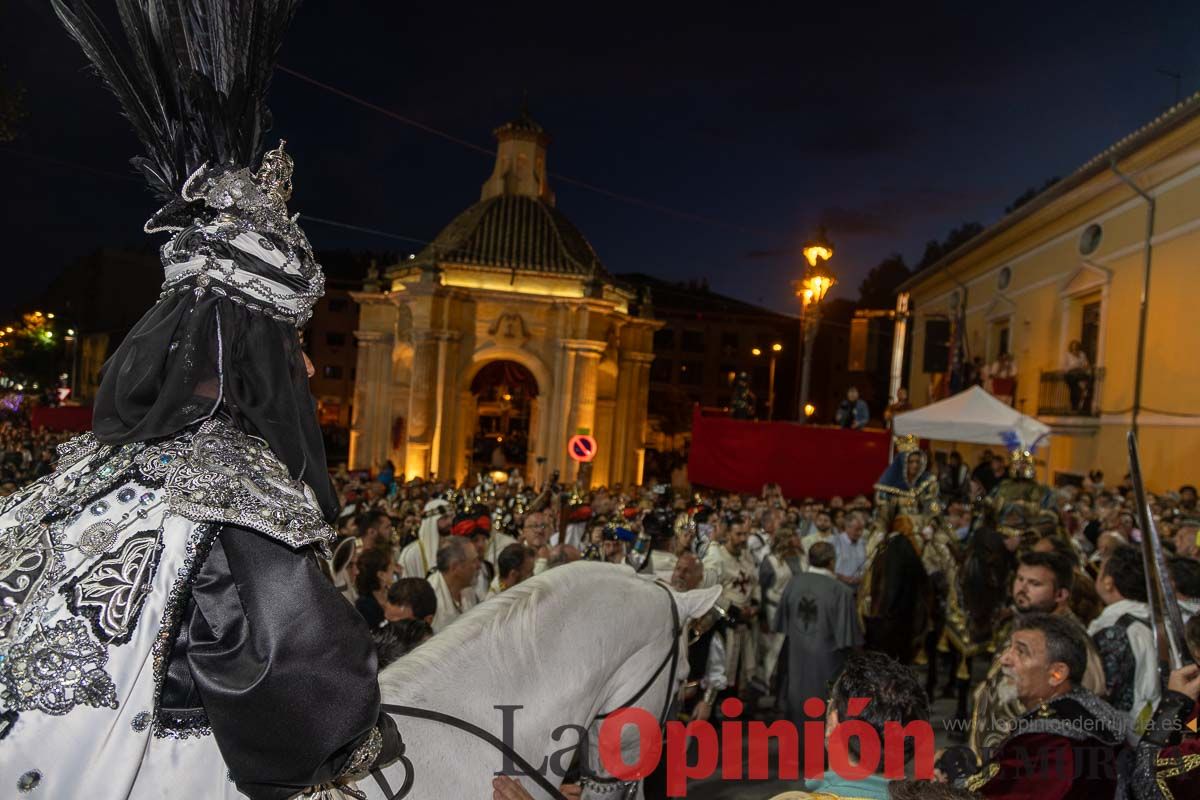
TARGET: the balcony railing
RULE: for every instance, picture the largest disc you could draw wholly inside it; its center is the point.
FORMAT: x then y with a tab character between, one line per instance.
1072	393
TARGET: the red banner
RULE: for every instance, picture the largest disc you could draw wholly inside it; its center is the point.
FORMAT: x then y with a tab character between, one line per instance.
806	461
76	419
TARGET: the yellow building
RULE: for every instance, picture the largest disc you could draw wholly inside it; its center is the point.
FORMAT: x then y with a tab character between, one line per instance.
1070	266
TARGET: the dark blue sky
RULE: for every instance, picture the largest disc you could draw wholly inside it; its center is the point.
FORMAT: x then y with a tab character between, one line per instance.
892	125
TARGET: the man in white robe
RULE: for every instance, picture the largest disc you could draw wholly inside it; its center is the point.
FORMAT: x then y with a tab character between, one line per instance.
453	582
419	557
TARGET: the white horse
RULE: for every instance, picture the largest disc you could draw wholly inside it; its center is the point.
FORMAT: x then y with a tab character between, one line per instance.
561	649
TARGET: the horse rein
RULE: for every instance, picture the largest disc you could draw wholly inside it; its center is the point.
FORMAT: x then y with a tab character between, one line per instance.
605	784
608	784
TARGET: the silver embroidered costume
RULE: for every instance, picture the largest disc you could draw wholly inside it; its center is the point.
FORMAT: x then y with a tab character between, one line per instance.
95	562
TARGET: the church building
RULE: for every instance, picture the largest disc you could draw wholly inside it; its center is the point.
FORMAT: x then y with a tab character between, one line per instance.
501	340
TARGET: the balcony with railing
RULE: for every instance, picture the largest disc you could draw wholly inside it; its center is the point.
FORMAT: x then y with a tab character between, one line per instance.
1070	393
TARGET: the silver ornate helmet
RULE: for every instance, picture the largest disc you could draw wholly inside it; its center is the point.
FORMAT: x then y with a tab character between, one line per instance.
243	245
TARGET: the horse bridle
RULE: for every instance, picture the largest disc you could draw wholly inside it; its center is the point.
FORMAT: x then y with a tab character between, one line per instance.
607	783
604	784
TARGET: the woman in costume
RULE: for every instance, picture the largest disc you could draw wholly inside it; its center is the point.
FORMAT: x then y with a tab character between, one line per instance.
907	487
165	626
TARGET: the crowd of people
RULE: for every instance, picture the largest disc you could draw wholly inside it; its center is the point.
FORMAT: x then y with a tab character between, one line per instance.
812	588
885	597
25	454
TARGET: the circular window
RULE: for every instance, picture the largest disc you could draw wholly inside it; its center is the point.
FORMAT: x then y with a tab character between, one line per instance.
1089	240
1004	278
954	300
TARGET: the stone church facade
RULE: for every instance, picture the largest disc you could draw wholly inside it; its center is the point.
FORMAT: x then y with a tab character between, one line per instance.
509	283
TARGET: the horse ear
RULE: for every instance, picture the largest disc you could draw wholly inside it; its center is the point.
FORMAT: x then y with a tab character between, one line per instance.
696	603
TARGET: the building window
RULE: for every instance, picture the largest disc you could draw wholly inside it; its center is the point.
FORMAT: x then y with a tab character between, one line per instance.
693	342
1089	334
338	304
335	339
660	370
729	344
332	372
1004	278
664	339
1089	240
691	373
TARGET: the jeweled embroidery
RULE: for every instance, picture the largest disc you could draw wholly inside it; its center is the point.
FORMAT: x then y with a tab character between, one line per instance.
111	594
56	669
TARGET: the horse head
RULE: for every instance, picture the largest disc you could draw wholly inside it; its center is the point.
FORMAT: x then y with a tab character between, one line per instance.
642	695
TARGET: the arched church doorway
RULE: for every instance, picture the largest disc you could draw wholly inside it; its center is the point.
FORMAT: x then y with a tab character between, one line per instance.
506	398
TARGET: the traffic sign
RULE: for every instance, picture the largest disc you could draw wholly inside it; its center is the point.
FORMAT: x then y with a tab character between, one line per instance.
581	448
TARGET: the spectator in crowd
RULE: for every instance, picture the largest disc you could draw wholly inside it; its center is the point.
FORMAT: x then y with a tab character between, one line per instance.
1077	372
515	564
1001	379
1124	638
410	598
851	547
991	470
955	479
376	572
1072	737
375	529
394	640
1185	574
822	531
457	568
1042	585
817	617
1187	499
853	412
895	697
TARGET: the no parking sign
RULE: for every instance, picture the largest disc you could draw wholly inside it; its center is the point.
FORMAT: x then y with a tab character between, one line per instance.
581	448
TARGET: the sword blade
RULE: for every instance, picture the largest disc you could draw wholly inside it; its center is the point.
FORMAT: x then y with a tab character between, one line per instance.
1165	616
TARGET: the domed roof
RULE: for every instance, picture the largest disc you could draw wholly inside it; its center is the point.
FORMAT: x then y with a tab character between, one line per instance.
518	232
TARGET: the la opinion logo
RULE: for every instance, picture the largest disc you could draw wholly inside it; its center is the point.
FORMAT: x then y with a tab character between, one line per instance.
724	753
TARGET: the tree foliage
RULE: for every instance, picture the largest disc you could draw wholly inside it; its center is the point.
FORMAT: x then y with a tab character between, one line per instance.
32	352
1030	193
935	250
878	289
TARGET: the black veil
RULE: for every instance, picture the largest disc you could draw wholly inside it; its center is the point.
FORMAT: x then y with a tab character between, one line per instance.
191	357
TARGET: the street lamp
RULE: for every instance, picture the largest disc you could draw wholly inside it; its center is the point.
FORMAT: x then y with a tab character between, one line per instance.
812	290
776	349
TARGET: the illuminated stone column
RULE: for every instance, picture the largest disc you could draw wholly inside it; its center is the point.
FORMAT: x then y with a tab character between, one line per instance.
371	424
421	411
633	392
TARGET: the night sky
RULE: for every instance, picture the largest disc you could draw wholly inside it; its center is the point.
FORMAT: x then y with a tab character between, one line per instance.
750	125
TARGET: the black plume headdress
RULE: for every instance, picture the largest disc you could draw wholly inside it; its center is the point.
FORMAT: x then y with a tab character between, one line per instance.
193	81
240	276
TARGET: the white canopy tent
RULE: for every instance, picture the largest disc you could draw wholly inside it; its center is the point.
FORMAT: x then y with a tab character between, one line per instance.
972	416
